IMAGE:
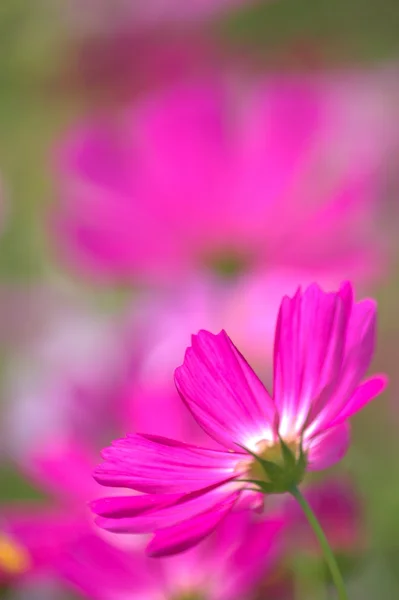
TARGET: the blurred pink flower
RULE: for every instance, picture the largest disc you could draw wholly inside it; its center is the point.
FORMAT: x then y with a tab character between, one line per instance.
49	541
31	538
228	175
54	443
63	543
189	489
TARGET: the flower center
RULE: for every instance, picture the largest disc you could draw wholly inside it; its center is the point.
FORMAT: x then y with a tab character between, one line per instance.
272	453
189	595
227	264
13	558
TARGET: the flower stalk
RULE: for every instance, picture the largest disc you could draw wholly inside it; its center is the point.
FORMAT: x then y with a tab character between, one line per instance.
325	546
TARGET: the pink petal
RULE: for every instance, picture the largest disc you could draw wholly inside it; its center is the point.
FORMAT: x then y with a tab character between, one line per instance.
310	338
158	465
283	120
359	349
187	534
99	570
118	507
41	531
143	514
63	468
256	556
223	393
328	448
366	392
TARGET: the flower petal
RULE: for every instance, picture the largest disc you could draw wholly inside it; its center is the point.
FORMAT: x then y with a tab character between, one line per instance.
328	448
35	535
366	392
258	554
119	507
223	393
359	349
188	533
156	465
144	514
310	338
97	569
61	467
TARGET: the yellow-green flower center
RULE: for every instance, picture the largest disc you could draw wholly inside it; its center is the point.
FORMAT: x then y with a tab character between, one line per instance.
189	595
272	453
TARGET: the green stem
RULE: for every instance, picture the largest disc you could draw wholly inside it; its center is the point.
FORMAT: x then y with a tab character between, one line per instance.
325	546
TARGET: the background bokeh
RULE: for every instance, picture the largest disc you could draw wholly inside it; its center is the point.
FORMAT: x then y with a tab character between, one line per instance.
61	326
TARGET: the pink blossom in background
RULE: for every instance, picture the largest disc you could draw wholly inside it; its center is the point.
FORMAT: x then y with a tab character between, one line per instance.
62	405
318	385
31	539
47	541
55	446
230	175
101	565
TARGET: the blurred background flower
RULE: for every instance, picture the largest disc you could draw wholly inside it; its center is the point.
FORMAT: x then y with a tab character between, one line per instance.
230	175
168	166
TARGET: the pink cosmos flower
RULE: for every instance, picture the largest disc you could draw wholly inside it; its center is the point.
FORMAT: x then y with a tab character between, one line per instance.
324	344
192	178
101	566
59	382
